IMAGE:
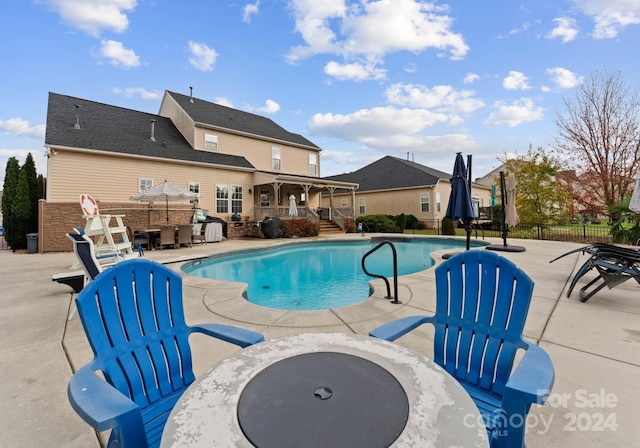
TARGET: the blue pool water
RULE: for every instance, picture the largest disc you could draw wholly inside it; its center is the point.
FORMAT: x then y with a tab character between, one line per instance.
316	275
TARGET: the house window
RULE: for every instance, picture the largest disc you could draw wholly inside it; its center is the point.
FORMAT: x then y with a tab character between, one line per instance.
437	201
313	163
264	198
345	203
363	206
236	199
222	199
210	142
425	202
194	187
144	184
275	158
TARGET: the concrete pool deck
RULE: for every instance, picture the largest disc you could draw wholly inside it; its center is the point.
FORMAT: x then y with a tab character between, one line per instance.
595	346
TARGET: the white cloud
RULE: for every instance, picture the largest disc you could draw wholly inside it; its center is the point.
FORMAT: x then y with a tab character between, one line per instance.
565	29
249	10
94	16
18	126
514	114
223	101
117	55
131	91
470	78
355	72
440	98
202	57
516	81
270	107
370	30
563	78
610	16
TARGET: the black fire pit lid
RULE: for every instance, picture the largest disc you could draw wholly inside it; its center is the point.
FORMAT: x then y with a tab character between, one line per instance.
321	400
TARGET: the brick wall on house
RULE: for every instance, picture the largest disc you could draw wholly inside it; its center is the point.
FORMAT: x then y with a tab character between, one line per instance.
56	219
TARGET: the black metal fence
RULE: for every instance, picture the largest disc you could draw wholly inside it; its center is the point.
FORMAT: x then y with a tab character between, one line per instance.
578	233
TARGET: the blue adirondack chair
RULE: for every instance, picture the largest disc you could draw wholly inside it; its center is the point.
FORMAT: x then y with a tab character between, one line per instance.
133	316
482	300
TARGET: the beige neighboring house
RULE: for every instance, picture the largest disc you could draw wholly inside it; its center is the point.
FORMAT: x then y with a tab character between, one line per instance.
392	186
237	162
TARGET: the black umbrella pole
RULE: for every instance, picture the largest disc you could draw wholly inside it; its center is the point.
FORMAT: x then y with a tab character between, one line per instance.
502	197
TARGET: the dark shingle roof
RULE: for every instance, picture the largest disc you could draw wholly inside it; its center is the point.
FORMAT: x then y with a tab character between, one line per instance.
390	173
118	130
236	120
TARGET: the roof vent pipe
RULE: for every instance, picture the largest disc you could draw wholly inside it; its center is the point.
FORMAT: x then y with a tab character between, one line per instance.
77	125
407	155
191	94
153	125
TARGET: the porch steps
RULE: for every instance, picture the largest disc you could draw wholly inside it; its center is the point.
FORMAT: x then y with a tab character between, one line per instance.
327	226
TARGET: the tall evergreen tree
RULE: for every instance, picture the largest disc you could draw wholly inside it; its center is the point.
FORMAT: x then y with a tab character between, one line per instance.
21	208
29	167
10	187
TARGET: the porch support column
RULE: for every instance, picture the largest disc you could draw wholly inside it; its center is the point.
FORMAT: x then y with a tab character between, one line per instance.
276	194
353	201
331	191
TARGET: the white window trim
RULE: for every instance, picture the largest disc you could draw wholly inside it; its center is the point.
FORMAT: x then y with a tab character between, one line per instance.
426	195
140	183
276	158
211	142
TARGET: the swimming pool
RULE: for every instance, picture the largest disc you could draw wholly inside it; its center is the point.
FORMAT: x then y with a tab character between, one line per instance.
317	275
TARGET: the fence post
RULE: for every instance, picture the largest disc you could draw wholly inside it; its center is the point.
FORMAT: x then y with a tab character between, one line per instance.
584	231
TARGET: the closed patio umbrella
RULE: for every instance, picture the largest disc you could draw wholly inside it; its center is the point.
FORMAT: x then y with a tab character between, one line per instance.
511	213
164	191
634	204
460	206
293	208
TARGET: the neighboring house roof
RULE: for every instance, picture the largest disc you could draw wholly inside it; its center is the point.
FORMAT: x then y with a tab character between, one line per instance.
118	130
218	116
392	173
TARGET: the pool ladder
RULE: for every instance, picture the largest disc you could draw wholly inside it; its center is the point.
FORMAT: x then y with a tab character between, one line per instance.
394	298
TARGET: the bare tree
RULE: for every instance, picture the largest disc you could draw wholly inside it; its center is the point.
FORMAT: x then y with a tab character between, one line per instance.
599	137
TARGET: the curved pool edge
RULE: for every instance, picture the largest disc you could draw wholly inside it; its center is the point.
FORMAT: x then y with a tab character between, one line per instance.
225	298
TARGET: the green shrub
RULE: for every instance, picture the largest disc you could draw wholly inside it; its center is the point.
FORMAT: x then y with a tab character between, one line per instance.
448	226
380	223
299	227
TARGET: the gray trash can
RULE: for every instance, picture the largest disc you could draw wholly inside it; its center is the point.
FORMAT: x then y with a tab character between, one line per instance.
32	243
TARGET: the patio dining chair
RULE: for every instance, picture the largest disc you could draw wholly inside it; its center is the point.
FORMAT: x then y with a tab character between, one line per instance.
482	301
201	236
167	237
134	320
185	234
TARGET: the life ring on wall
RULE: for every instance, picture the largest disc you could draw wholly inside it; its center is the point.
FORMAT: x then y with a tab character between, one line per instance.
89	205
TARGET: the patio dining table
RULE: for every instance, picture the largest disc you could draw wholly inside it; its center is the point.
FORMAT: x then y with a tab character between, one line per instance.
325	390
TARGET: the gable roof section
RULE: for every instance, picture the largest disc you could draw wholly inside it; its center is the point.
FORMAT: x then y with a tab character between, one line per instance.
222	117
391	173
117	130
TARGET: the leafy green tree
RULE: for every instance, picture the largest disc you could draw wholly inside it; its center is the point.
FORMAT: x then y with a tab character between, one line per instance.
539	198
10	187
627	228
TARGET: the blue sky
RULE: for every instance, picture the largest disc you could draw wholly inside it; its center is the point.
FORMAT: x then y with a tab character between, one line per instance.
361	79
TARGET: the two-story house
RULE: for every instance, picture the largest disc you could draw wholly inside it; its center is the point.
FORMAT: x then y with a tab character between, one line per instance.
238	162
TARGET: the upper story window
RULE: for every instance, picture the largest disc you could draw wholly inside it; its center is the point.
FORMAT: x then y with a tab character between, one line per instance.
275	158
425	202
194	187
437	201
144	184
363	206
313	164
211	142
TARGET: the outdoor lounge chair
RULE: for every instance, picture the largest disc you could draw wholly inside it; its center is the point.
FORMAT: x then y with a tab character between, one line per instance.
84	251
614	265
134	320
482	301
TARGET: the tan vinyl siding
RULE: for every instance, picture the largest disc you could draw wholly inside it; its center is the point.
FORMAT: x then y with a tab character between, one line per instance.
258	152
183	122
115	179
